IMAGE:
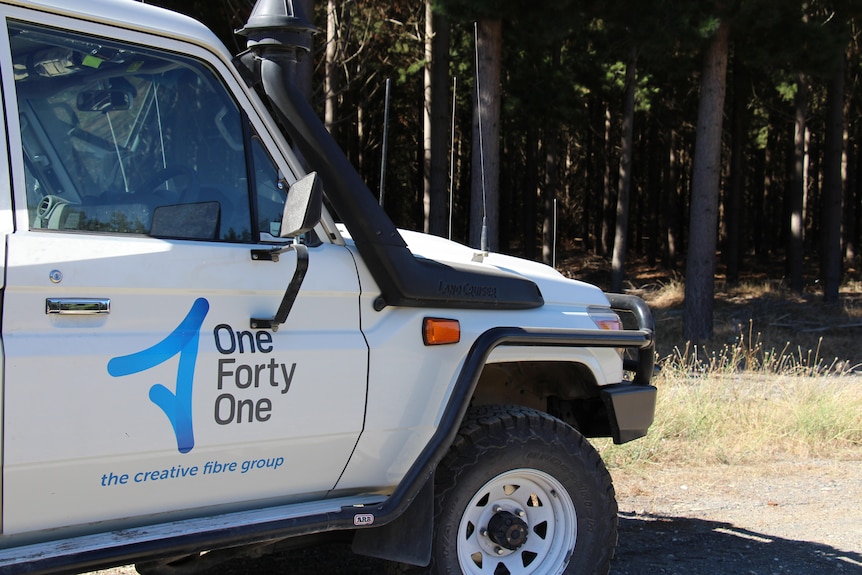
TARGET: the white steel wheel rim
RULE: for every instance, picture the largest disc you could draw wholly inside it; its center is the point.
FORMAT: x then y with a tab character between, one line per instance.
538	500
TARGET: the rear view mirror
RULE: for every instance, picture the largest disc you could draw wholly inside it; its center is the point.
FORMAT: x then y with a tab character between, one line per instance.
103	100
303	207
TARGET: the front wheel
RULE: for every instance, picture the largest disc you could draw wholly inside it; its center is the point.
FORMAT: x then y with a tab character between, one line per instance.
521	492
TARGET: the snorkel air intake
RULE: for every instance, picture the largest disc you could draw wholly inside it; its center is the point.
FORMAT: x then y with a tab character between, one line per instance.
277	36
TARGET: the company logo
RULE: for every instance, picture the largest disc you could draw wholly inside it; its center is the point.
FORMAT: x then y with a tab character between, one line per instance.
183	341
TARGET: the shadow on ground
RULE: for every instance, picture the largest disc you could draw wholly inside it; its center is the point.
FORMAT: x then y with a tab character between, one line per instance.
648	545
651	545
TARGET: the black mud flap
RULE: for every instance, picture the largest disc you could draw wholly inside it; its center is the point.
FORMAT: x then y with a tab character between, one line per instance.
631	409
407	539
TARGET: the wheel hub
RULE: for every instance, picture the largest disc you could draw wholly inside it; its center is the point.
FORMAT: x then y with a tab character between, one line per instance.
507	530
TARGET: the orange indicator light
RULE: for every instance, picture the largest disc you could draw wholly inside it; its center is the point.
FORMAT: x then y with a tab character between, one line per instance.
439	331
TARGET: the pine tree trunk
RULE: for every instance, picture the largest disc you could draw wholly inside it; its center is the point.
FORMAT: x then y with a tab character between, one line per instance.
330	68
703	231
627	150
797	197
551	144
436	114
854	183
591	206
484	186
833	184
607	192
531	189
671	203
549	194
305	65
733	204
654	195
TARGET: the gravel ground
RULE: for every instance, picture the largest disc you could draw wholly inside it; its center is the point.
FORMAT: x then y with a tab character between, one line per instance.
780	518
787	518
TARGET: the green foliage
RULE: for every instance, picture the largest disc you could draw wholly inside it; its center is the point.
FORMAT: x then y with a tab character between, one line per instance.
786	90
708	27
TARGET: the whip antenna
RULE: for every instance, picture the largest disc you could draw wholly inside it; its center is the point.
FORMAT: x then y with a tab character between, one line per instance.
483	240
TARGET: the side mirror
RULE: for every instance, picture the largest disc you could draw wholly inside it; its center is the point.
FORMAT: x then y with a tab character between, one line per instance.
303	207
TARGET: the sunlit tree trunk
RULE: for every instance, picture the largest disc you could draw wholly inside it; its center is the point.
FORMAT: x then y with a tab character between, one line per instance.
797	197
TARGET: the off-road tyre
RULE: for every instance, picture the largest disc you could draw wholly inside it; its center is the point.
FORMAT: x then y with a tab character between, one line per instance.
546	491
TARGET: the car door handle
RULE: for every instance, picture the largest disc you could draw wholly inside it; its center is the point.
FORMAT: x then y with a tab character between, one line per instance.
77	306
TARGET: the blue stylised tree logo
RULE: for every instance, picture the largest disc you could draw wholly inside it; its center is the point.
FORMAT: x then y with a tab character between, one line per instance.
183	341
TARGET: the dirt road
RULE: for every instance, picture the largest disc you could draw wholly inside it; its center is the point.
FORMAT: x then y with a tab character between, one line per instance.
793	518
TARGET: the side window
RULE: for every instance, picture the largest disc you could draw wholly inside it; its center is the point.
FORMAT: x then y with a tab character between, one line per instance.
123	139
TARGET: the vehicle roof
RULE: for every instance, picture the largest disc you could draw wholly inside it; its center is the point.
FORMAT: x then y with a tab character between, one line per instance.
131	15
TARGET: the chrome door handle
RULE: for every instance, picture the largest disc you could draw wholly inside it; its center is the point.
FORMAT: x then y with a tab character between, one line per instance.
77	306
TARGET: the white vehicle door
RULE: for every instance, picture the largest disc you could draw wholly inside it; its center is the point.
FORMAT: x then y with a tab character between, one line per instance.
135	381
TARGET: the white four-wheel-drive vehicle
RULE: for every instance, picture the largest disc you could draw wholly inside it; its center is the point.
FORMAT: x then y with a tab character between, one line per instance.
198	362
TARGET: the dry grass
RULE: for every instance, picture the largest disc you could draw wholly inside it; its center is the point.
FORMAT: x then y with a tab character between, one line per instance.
747	418
781	378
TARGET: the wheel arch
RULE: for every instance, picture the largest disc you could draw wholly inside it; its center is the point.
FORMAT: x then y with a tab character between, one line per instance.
567	390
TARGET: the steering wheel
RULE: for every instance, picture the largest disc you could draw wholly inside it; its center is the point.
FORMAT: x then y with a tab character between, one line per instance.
154	183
